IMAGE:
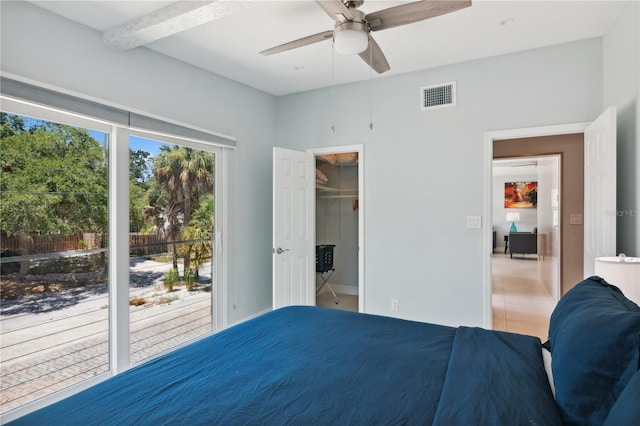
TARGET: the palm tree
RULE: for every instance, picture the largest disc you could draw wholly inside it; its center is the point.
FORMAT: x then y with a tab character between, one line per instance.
165	218
184	174
200	230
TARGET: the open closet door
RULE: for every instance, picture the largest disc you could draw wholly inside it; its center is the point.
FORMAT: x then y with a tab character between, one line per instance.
600	189
293	228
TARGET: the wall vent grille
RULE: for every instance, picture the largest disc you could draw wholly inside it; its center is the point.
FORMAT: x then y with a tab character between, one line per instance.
438	96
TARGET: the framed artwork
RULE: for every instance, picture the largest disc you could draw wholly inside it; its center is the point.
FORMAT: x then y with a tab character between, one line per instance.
520	195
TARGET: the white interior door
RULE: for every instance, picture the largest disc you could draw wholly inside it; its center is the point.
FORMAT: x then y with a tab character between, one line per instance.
549	231
293	228
600	189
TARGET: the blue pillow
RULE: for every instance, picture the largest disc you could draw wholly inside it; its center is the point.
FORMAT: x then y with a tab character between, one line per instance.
626	410
594	334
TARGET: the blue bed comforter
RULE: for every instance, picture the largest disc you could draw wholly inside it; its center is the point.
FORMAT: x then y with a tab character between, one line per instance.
308	365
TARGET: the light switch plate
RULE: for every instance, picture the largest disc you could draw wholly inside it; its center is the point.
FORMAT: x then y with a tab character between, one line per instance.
575	219
474	222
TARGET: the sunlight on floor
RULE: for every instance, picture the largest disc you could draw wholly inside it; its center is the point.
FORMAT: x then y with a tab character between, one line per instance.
521	303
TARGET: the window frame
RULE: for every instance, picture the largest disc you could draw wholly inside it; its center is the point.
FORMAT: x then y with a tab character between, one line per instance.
118	250
220	258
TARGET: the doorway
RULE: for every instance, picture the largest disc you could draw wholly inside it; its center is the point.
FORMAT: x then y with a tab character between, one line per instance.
588	226
521	142
525	274
339	227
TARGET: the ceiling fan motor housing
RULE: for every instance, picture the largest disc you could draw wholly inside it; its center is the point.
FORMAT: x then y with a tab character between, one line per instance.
351	37
352	3
351	32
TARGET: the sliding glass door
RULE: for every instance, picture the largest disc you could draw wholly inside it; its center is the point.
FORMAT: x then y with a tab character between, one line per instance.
172	219
101	269
54	316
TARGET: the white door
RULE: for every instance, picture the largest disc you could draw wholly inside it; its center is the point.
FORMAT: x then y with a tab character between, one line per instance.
600	189
549	231
293	228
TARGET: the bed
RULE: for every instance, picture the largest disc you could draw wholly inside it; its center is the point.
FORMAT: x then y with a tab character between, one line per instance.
310	365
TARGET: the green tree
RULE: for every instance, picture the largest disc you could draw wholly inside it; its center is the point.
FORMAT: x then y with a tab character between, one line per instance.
184	174
164	216
140	176
139	166
137	203
200	229
10	124
53	180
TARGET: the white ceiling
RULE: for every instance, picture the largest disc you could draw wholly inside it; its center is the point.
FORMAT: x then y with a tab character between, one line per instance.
229	46
515	166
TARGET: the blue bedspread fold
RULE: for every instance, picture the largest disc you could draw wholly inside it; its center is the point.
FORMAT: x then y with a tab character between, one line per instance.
308	365
496	378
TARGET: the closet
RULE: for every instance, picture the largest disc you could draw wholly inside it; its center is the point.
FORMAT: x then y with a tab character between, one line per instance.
337	225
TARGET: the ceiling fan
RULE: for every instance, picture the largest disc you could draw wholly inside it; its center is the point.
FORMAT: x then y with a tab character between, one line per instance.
351	33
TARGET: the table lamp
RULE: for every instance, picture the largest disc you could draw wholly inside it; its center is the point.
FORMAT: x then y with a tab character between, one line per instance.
513	218
621	271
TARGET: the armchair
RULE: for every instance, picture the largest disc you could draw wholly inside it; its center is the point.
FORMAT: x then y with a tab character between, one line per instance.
523	242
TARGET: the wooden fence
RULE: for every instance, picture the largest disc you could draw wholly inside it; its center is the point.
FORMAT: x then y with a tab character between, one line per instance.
139	244
41	243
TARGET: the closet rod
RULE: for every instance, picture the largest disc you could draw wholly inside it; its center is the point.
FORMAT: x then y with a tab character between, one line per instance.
338	196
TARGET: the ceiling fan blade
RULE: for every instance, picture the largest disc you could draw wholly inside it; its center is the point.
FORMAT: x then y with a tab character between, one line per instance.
375	58
413	12
336	10
299	43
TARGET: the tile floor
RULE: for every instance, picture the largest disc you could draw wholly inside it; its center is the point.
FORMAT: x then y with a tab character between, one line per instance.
346	302
521	304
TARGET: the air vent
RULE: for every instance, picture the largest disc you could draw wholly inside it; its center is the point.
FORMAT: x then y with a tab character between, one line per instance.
439	95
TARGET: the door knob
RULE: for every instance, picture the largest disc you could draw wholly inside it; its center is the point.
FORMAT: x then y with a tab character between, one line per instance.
280	250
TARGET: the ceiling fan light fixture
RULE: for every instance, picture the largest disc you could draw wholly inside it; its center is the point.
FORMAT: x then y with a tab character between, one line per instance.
351	38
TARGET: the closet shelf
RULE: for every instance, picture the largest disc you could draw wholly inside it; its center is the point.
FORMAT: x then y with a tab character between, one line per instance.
329	192
322	188
339	196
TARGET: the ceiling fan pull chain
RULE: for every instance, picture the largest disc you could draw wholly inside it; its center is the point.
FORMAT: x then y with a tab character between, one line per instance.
370	86
333	89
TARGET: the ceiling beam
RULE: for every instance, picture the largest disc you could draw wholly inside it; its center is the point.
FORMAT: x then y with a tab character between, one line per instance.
169	20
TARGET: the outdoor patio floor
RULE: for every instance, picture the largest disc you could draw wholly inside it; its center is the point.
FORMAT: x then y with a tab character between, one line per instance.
48	351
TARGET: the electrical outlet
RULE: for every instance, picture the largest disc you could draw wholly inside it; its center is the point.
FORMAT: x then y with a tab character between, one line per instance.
394	305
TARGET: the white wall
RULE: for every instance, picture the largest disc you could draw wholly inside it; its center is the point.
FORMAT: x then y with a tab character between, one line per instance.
622	89
424	172
46	48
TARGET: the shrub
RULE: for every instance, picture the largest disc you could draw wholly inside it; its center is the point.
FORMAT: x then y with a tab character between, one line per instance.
190	278
170	278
